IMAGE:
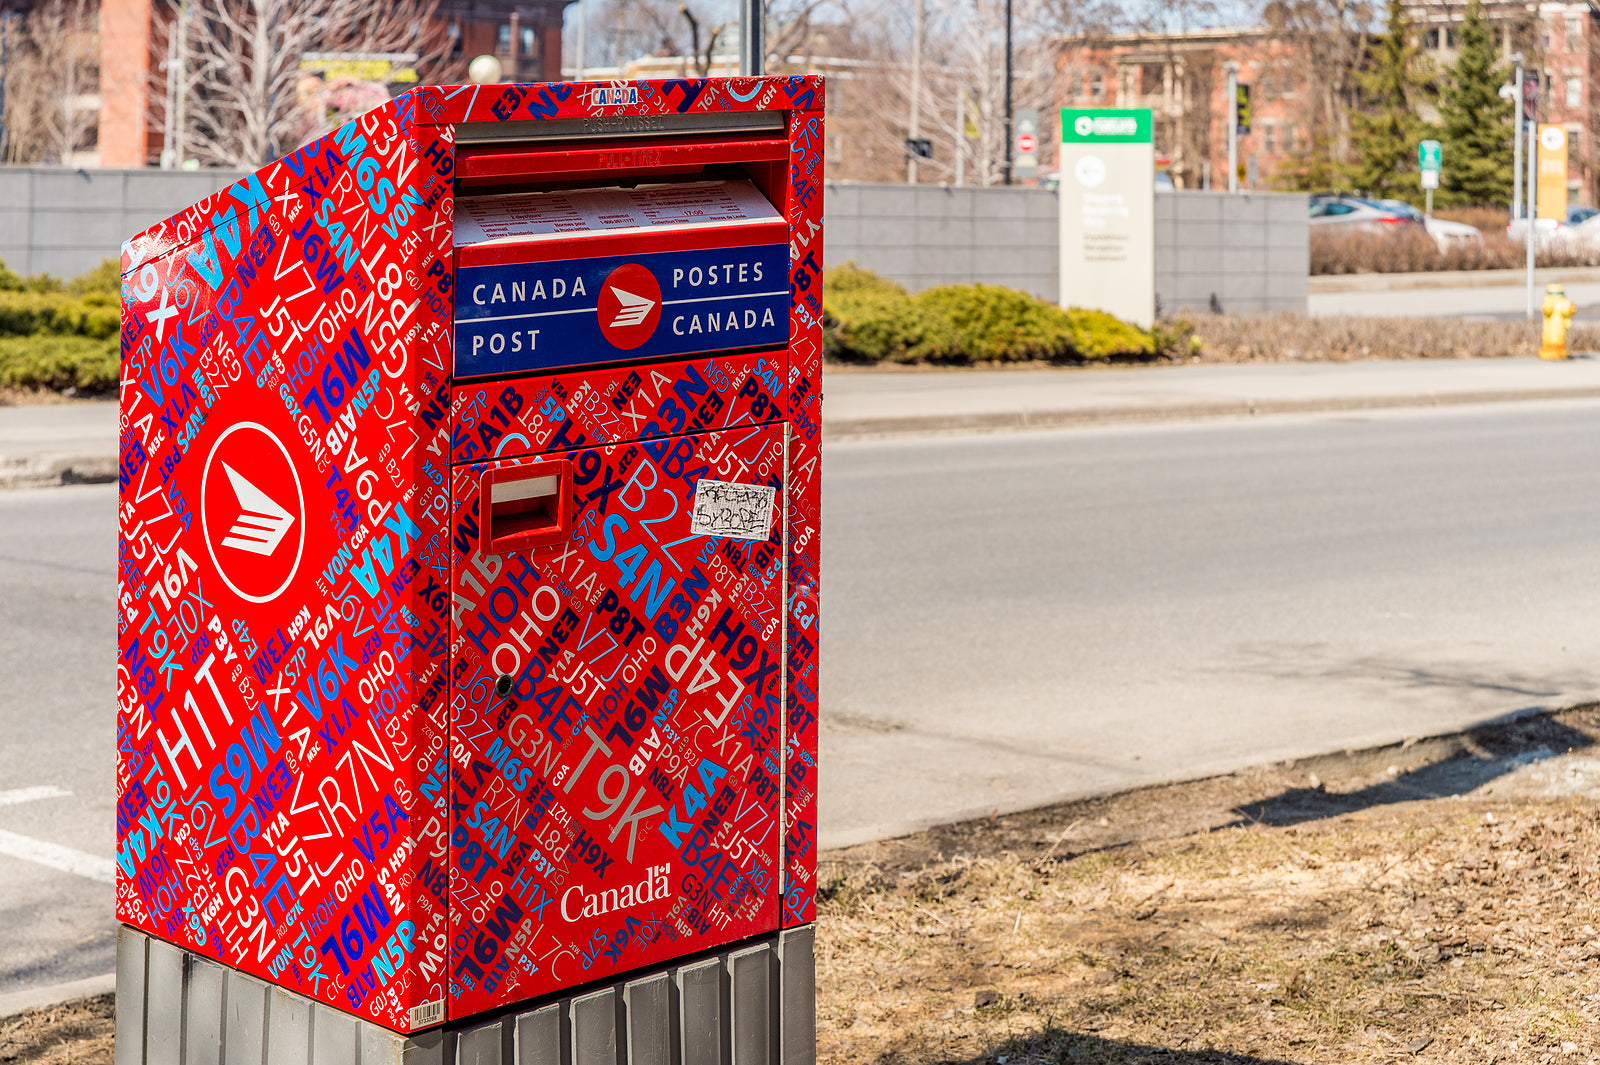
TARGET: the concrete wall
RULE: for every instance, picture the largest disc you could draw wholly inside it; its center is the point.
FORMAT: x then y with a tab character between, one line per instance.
926	235
65	222
1243	254
1246	253
1250	252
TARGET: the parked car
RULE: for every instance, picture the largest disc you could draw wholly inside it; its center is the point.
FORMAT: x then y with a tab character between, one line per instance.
1445	234
1547	228
1353	214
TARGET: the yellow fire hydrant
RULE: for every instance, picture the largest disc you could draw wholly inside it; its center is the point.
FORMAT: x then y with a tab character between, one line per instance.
1558	312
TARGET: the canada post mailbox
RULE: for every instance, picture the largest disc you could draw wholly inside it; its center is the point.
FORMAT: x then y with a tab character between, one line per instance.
468	550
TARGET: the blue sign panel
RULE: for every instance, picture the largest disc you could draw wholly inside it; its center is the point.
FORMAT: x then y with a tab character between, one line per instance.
536	316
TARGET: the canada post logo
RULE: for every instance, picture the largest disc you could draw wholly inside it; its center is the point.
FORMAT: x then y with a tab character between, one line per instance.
630	306
252	512
517	317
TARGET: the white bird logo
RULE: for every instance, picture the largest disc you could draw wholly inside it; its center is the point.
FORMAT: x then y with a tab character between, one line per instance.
262	523
634	308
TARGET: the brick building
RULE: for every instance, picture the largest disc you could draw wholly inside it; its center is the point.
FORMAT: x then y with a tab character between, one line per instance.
525	35
1182	78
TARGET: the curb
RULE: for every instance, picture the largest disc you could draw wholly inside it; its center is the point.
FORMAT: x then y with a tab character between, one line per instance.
1025	420
1323	284
50	470
73	990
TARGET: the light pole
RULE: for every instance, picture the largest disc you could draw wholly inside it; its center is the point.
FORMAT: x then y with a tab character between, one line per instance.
1533	217
1232	67
1516	140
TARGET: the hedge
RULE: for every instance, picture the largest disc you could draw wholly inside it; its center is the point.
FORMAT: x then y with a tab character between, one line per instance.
868	318
60	336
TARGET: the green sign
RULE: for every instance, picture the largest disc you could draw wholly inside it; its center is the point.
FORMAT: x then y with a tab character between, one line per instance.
1103	126
1429	154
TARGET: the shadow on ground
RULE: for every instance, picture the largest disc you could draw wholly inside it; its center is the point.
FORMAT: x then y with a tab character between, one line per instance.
1485	754
1055	1044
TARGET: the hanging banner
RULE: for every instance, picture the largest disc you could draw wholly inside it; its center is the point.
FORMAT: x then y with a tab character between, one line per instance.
1107	204
1552	201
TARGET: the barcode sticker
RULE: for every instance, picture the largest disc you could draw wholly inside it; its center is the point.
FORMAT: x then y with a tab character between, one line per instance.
429	1013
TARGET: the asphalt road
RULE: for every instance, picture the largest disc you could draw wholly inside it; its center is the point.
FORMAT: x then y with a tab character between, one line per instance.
57	734
1014	619
1009	620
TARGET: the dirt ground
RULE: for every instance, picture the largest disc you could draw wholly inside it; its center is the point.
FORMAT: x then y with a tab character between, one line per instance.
75	1033
1436	900
1433	900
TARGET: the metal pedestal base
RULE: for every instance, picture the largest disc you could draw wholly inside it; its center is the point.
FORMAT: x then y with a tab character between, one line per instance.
751	1004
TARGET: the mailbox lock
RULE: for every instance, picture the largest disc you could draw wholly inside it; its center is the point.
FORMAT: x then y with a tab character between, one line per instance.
502	687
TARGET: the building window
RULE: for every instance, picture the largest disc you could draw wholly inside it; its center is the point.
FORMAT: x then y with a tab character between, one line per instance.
503	39
1574	92
527	40
1269	138
1097	86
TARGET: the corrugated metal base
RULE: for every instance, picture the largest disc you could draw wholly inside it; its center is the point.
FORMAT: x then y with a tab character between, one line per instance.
752	1004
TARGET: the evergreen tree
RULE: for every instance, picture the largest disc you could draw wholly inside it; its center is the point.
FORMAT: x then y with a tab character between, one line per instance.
1385	133
1476	122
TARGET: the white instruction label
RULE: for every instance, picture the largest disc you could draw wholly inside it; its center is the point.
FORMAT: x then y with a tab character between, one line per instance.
737	511
554	215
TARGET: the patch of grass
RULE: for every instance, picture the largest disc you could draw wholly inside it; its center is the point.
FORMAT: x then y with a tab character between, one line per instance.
1281	337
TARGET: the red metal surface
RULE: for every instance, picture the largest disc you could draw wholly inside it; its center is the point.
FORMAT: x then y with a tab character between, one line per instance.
311	746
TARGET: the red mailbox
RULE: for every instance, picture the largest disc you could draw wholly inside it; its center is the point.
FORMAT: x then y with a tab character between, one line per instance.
469	546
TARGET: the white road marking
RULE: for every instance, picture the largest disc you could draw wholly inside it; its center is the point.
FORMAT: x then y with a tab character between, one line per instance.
58	857
43	791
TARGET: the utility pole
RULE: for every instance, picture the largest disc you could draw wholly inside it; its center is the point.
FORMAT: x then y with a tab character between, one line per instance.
961	134
1008	144
180	124
1232	67
752	44
916	93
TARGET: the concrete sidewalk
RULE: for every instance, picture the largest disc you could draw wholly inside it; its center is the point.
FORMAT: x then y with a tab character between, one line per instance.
58	443
67	443
886	403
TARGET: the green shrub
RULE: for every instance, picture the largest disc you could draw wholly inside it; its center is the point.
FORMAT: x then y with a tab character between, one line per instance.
30	313
868	318
865	318
1098	335
105	279
59	362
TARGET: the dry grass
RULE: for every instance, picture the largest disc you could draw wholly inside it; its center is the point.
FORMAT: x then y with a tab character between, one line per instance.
1277	337
74	1033
1458	931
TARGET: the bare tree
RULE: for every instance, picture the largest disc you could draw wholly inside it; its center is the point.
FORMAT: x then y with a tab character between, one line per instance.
53	62
246	97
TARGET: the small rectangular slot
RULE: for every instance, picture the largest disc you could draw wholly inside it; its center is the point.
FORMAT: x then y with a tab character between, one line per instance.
526	506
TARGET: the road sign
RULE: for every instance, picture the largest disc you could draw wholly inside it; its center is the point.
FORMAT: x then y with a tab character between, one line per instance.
1025	143
1107	212
1552	170
1429	156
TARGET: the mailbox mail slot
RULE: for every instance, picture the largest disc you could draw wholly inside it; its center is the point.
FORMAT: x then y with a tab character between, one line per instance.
468	558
